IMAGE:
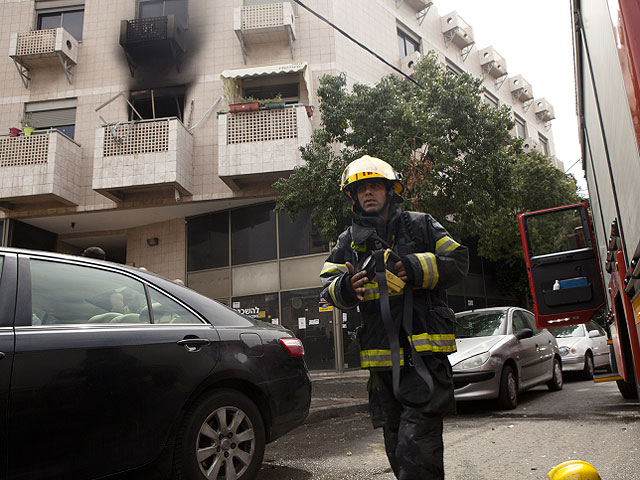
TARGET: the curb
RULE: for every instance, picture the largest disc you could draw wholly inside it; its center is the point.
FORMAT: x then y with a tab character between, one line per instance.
318	414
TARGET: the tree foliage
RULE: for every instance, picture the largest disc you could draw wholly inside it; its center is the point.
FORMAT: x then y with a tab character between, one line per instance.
455	153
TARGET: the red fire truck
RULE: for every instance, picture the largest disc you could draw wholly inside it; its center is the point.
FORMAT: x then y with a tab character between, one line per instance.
572	256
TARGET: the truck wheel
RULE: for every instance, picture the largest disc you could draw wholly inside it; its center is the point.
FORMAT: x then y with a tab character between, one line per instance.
587	372
222	437
508	396
627	389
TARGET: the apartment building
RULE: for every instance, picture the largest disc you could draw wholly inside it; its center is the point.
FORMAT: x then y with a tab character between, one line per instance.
124	129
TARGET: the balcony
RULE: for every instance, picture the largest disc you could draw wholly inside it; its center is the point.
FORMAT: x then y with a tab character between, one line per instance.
145	40
520	89
457	31
492	63
265	23
544	110
40	170
141	157
407	63
261	146
41	49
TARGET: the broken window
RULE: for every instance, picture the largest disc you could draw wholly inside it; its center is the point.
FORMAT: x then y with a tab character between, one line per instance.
157	103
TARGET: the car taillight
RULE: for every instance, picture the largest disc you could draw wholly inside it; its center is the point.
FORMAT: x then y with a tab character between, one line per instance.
293	346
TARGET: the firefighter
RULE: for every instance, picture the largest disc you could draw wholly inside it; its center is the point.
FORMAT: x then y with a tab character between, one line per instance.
394	267
574	470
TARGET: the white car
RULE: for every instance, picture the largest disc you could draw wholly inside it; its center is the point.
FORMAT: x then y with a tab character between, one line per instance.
500	354
583	348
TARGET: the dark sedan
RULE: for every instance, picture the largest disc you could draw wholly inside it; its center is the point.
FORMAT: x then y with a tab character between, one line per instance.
106	368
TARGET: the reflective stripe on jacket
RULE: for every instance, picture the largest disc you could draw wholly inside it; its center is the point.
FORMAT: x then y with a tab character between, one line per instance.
436	262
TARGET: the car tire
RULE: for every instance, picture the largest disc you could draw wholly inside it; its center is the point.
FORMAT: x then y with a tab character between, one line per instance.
627	389
588	371
556	383
224	431
508	395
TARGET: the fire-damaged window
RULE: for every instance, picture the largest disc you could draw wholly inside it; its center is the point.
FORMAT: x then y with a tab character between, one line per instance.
157	103
68	14
162	8
285	87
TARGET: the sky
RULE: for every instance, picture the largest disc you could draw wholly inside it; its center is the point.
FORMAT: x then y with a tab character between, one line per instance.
534	37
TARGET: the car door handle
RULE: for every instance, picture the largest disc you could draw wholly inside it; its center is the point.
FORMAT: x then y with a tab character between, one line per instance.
2	355
193	344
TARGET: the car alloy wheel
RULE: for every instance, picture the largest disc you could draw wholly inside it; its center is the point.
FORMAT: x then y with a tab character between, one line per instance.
555	383
508	395
223	438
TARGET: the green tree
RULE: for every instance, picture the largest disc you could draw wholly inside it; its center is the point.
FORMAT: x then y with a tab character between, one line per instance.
449	145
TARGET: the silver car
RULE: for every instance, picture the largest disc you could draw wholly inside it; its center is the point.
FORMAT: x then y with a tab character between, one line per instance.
501	353
583	348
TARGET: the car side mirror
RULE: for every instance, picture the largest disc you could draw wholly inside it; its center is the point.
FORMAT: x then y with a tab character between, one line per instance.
594	333
524	333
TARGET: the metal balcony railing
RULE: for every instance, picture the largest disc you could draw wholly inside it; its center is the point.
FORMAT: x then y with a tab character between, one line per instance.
146	29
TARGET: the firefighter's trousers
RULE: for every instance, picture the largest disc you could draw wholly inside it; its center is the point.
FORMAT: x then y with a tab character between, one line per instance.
412	436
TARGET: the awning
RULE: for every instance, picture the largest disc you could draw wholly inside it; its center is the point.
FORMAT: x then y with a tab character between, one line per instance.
273	70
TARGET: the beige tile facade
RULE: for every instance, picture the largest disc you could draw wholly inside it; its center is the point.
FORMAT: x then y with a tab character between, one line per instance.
198	150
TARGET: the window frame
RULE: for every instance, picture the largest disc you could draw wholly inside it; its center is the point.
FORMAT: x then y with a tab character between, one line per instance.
164	14
62	9
402	34
544	142
51	106
519	121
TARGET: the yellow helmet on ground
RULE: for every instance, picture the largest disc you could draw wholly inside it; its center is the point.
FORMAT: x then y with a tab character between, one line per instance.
366	168
574	470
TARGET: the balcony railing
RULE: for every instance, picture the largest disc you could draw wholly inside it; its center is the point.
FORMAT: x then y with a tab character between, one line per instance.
28	48
147	39
149	155
39	169
264	144
265	23
146	29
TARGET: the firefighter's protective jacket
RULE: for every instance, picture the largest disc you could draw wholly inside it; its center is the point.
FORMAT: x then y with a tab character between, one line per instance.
433	260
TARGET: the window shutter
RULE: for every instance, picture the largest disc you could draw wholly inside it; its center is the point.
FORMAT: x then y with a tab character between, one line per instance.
52	118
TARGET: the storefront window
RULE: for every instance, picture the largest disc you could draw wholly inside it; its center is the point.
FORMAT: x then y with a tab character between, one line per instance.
208	241
299	237
261	307
253	234
301	314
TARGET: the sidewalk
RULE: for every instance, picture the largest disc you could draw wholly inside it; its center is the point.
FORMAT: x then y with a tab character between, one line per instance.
337	394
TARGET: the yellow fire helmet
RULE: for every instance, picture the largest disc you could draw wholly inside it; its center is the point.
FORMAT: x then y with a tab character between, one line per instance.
365	168
574	470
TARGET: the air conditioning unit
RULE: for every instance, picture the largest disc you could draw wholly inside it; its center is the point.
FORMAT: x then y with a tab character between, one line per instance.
407	63
530	144
492	62
544	110
520	89
456	30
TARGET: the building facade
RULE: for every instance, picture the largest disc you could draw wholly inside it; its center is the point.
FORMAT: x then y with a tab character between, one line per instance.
127	126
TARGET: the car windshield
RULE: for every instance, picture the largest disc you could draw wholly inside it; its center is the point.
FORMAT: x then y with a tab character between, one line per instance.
480	324
567	331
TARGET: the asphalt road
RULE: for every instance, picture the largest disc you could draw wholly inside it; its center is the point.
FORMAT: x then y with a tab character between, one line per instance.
584	421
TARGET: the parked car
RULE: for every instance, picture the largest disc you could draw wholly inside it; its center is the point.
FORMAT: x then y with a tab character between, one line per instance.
583	348
501	353
105	368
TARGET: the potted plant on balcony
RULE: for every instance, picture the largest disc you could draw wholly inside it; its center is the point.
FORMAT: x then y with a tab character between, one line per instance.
244	104
272	103
238	103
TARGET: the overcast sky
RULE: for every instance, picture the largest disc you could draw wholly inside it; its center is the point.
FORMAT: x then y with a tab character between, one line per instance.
534	37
